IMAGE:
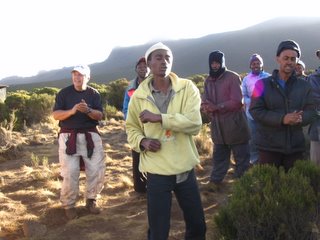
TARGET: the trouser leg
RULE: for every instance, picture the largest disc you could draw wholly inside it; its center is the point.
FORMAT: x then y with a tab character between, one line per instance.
220	162
241	155
188	197
159	196
95	168
139	181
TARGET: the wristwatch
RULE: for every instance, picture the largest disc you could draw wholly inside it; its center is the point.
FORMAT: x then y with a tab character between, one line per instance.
89	111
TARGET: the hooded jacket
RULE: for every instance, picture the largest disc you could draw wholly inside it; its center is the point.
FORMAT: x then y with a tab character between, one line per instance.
270	103
228	124
178	152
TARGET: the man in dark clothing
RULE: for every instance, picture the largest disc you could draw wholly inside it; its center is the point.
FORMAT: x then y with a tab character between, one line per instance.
314	80
281	105
222	100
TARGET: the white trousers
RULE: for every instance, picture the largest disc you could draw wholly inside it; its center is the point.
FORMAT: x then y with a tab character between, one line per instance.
70	169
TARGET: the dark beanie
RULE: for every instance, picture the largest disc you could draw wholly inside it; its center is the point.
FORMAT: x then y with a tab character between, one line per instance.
289	44
217	56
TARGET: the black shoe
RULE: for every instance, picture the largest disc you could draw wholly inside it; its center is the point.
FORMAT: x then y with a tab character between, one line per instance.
92	206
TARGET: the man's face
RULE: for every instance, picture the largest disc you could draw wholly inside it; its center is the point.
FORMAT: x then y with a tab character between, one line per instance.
215	66
256	67
299	70
287	61
142	70
79	81
160	63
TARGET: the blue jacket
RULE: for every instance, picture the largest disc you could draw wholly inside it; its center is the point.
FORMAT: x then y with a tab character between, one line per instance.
133	85
247	87
314	80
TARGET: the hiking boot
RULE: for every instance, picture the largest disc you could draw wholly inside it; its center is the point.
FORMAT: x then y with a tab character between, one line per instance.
92	206
71	213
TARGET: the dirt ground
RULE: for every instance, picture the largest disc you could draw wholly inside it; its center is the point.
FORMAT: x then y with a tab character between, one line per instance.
30	192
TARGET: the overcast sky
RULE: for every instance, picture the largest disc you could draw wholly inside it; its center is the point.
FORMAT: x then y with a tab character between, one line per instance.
39	35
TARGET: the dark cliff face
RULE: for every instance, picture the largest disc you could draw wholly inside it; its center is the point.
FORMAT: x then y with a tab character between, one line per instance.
191	55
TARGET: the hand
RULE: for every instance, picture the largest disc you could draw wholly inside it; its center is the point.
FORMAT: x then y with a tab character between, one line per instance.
147	116
293	118
208	107
82	106
149	144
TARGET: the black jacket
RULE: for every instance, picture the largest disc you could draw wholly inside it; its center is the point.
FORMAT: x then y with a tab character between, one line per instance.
271	102
314	80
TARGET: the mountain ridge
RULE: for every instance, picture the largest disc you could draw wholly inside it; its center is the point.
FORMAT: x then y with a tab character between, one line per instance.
191	55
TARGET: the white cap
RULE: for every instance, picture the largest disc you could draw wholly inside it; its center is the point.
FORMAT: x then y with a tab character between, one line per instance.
83	69
157	46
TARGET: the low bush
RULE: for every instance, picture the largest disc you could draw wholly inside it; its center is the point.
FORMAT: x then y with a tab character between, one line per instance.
268	203
112	112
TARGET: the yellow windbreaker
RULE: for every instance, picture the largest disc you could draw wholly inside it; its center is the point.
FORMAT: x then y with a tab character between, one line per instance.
182	121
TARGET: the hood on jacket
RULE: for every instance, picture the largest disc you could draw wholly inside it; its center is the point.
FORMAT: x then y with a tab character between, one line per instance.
217	56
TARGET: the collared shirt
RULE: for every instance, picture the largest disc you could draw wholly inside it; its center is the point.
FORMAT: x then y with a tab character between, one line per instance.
162	99
162	102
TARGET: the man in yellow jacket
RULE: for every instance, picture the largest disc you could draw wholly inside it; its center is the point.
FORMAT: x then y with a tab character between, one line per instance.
163	117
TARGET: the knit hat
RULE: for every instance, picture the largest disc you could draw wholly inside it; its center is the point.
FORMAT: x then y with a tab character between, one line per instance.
289	44
255	57
300	62
157	46
217	56
142	59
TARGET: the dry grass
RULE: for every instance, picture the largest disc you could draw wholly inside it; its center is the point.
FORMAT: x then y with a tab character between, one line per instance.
203	141
30	187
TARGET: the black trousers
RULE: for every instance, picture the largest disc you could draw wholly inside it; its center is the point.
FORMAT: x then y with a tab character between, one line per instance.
139	181
279	159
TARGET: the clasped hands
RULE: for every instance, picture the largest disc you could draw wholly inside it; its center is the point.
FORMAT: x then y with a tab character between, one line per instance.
208	107
293	118
81	107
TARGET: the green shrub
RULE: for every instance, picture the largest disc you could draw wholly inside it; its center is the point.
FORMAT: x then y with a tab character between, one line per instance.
115	92
29	108
48	90
267	203
103	90
38	108
16	101
112	112
4	116
311	171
